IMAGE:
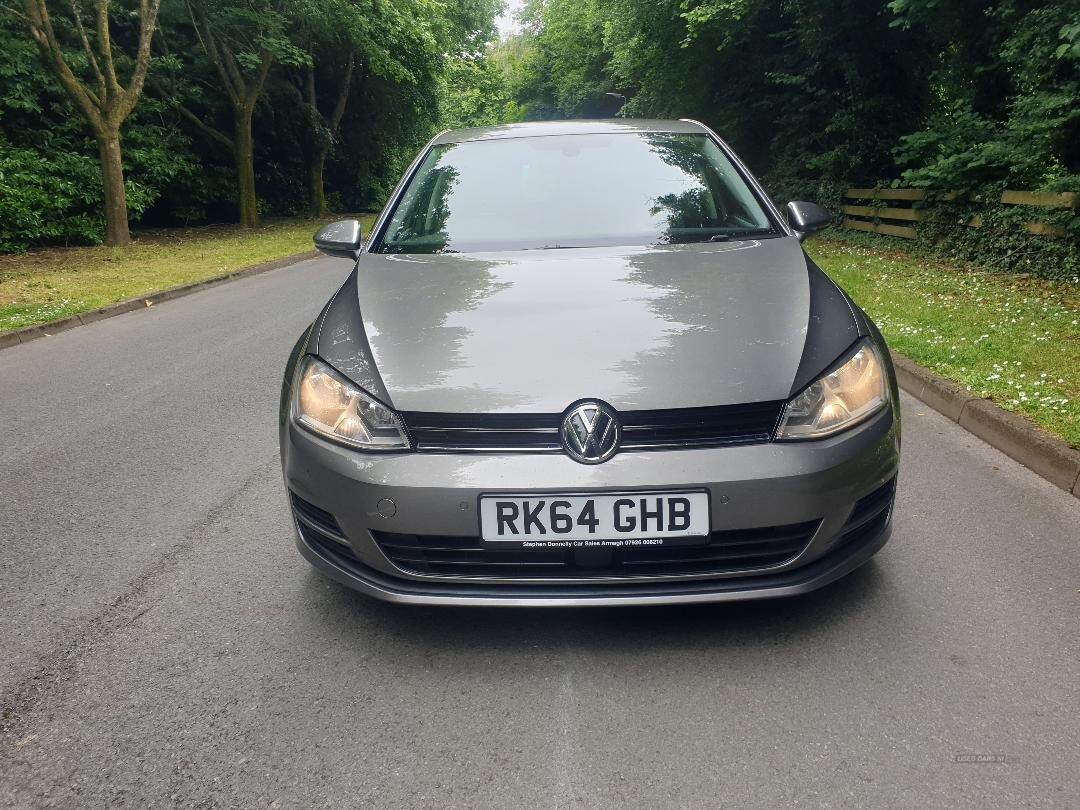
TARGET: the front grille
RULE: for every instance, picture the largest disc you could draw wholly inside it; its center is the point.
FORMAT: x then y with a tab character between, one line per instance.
700	427
492	432
726	551
676	428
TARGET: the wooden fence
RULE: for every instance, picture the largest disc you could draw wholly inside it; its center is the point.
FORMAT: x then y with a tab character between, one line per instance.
899	215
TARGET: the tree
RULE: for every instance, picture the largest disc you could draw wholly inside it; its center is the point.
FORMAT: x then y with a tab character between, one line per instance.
242	41
1018	125
477	93
349	42
336	35
180	164
325	129
108	103
806	91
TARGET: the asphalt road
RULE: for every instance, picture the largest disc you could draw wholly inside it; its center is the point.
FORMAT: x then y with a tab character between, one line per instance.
162	643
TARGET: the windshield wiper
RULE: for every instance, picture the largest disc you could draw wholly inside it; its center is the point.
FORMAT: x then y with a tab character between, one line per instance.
737	235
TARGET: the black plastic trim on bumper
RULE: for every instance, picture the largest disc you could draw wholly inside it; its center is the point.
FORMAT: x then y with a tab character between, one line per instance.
834	564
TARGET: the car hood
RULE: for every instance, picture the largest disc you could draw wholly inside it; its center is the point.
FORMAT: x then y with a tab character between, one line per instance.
533	331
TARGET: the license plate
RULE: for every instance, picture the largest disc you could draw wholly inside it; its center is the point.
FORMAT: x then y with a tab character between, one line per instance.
610	519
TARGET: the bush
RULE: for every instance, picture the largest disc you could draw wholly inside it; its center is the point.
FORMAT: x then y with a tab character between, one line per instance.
55	199
1002	241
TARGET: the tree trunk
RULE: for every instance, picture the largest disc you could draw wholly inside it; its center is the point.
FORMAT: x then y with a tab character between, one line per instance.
245	169
318	193
112	181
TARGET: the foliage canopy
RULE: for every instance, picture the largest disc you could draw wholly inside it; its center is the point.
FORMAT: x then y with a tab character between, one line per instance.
964	96
968	96
181	141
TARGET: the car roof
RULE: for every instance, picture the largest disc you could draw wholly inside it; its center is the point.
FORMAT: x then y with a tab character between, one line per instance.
533	129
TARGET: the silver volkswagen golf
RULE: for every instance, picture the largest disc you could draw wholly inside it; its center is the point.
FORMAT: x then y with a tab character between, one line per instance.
587	363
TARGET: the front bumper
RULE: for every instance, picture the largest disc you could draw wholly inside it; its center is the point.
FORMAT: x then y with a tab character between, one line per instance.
751	486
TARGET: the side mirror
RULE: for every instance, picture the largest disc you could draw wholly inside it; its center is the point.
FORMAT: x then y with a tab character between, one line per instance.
341	238
807	217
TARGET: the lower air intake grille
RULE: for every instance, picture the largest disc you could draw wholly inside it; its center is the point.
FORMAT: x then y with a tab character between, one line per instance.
726	551
314	516
870	514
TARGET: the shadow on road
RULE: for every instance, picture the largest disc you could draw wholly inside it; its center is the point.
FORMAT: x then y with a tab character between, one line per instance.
795	619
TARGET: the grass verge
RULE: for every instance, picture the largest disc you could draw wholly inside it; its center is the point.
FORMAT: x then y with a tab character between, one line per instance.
47	285
1010	339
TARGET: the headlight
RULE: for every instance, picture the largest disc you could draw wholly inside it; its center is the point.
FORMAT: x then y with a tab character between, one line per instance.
845	396
327	404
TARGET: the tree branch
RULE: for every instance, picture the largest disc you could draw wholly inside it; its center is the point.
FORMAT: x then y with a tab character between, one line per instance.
215	134
233	70
255	89
343	96
105	51
309	85
209	45
15	13
148	12
41	29
76	12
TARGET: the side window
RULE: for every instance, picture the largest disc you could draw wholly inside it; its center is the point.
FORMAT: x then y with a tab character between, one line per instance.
423	209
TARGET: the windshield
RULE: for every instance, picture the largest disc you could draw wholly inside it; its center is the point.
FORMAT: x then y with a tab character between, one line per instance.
564	191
